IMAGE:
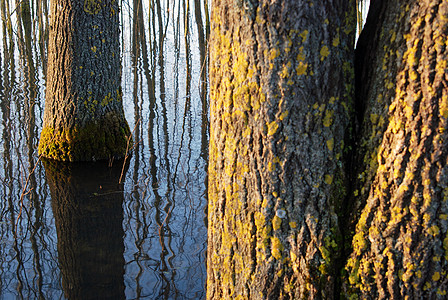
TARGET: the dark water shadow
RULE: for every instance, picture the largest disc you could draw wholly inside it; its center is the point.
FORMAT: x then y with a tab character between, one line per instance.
87	204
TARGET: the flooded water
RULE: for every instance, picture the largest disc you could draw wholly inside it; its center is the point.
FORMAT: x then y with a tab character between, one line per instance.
136	230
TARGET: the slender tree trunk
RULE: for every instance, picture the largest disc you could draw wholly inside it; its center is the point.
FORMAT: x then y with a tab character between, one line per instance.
281	89
400	248
84	118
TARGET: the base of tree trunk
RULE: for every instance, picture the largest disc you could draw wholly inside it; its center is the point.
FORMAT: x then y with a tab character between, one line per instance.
101	139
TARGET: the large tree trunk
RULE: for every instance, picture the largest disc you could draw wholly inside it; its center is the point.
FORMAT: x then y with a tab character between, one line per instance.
84	117
281	94
400	247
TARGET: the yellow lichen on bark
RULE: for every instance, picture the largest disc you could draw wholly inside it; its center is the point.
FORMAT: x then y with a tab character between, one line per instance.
401	222
265	128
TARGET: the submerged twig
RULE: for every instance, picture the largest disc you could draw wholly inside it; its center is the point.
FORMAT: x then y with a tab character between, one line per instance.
128	150
24	192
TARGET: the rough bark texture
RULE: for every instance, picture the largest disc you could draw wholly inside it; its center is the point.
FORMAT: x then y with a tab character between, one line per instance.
281	77
400	248
84	117
87	206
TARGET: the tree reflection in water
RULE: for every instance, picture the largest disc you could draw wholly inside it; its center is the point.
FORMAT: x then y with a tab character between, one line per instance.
87	204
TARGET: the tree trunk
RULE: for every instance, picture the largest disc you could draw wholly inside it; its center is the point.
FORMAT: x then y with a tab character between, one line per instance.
281	106
87	204
84	118
400	247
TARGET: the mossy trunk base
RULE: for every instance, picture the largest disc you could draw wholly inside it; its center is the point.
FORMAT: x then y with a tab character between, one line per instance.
98	140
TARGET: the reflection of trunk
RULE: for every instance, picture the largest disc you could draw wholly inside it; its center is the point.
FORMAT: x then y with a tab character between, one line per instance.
32	186
24	16
163	208
280	104
87	207
400	247
84	118
160	22
5	107
18	28
8	34
201	38
42	19
207	22
203	87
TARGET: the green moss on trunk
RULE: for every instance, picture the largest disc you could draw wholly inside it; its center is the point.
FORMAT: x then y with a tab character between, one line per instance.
101	139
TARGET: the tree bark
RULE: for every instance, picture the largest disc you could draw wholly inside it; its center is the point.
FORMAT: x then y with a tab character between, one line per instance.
84	118
281	76
400	247
87	204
